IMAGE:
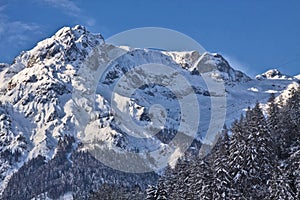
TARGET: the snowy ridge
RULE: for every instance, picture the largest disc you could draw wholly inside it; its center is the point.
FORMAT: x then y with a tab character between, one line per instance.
214	64
36	106
286	94
273	74
40	81
35	89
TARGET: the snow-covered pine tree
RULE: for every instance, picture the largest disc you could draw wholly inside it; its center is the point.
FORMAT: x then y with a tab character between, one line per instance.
176	180
283	140
280	186
273	122
221	179
161	193
289	125
173	181
237	147
252	154
198	184
188	180
151	192
294	172
262	147
292	109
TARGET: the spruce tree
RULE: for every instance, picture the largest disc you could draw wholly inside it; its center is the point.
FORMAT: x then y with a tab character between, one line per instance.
251	154
161	193
222	178
280	186
292	137
200	181
294	172
274	119
151	192
237	147
188	180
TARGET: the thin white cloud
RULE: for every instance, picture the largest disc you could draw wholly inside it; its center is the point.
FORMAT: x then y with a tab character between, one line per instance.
90	21
65	5
15	34
72	9
15	31
238	65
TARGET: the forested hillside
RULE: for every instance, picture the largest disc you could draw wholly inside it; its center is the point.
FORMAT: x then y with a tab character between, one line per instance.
257	158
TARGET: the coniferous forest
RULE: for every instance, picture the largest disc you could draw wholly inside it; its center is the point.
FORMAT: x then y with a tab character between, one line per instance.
257	158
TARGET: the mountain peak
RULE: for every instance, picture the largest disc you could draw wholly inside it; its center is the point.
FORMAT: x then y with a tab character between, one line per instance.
75	32
45	97
273	74
68	44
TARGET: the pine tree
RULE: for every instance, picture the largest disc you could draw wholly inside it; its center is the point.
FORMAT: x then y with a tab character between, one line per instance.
188	180
274	119
237	147
294	172
293	109
151	192
251	154
199	183
280	186
265	143
161	193
244	165
177	179
222	178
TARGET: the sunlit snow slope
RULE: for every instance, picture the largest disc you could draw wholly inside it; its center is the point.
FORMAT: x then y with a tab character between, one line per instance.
36	105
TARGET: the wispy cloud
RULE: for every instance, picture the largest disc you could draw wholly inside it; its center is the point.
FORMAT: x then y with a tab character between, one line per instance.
72	9
15	31
238	65
69	6
15	34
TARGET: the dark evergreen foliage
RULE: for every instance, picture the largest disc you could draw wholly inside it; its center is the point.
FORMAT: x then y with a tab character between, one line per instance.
71	171
116	192
251	161
151	192
259	159
279	187
221	182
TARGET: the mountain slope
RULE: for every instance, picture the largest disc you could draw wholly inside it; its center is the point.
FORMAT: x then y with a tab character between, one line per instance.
38	110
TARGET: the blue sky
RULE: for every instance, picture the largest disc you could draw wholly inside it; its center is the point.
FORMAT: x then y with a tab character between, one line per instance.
254	35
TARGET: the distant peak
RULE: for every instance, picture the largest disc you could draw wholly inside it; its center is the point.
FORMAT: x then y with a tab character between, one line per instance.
213	63
273	74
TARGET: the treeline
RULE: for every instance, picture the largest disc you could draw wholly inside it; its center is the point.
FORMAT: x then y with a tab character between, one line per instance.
258	158
75	172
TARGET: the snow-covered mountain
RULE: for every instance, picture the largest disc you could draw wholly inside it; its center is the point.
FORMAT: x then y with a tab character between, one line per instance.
37	106
273	74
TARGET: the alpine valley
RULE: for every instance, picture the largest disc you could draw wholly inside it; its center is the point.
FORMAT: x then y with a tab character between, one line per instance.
42	151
